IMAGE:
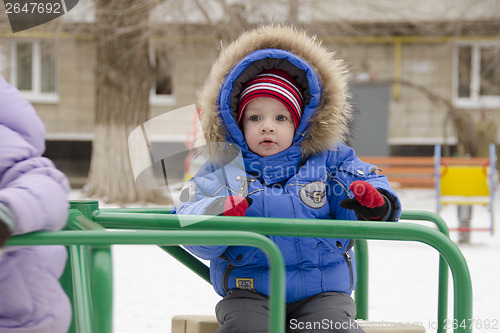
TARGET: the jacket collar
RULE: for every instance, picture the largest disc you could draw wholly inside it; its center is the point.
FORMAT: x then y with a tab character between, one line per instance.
275	168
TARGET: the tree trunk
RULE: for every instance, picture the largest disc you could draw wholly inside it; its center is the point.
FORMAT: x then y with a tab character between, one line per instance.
124	78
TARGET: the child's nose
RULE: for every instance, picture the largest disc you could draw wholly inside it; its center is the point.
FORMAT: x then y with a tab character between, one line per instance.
267	126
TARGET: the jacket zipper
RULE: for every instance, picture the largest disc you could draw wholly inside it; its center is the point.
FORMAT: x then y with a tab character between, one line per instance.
348	258
225	277
320	266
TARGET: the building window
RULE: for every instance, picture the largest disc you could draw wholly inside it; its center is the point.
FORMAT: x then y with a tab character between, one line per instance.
477	75
490	71
162	92
34	70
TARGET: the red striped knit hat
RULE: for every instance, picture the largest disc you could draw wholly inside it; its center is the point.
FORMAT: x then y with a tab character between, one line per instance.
277	84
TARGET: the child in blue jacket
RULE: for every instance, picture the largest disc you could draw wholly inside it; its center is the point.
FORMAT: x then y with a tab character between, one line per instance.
277	99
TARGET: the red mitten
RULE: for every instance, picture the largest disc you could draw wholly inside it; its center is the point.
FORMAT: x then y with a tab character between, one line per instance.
229	206
235	206
368	202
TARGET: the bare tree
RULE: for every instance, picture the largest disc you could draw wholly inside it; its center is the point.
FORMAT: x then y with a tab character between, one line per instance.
124	77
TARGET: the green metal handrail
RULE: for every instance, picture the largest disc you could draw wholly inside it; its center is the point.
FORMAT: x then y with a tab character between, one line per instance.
361	291
100	238
361	253
326	228
159	218
90	270
443	266
82	298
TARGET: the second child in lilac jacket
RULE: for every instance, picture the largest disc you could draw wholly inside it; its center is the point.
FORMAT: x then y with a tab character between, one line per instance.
33	197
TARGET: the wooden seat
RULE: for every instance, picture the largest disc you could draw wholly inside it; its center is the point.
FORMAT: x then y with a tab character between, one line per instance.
194	324
208	324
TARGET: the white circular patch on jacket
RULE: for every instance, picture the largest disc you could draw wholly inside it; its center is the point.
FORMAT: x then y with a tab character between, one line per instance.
313	194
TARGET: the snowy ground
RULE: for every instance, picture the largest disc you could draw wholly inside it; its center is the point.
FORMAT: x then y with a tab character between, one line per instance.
151	287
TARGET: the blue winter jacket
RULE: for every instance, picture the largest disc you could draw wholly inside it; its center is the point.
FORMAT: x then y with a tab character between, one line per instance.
308	180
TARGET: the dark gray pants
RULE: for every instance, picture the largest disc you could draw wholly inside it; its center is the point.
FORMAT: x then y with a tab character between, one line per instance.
243	311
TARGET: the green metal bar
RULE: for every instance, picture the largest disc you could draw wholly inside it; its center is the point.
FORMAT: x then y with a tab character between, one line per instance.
361	292
442	314
189	261
75	279
102	298
153	210
89	207
86	207
100	266
82	305
316	228
277	274
419	215
181	255
66	281
101	280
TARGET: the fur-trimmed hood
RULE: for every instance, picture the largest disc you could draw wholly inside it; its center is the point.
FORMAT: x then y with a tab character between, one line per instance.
326	116
329	123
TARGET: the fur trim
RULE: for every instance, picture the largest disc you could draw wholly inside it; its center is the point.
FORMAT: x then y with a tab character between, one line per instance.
329	124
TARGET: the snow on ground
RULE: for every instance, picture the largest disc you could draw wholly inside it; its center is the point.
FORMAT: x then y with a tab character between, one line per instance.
151	287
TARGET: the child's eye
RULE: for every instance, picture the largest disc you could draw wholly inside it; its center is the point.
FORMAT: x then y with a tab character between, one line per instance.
254	118
281	118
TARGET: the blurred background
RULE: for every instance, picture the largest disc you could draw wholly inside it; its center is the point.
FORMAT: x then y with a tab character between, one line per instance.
422	73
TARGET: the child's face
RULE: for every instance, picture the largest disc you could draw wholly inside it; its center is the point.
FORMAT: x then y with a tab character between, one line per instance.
267	126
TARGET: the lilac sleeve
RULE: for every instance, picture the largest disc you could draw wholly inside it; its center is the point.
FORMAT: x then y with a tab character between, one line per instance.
36	194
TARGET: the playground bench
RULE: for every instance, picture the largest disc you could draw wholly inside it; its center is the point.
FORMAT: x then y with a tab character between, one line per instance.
405	171
416	171
457	181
